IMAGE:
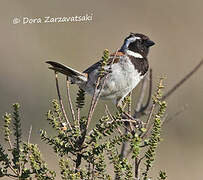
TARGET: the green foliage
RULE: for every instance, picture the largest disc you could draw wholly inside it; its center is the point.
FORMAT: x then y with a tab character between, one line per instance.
80	99
85	153
18	137
122	168
4	159
155	137
104	62
38	166
7	131
135	145
162	175
21	160
66	171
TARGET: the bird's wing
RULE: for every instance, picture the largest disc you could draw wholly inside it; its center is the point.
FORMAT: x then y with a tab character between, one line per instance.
93	67
113	58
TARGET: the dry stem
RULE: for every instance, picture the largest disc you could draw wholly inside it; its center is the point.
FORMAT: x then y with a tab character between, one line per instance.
61	102
69	99
29	135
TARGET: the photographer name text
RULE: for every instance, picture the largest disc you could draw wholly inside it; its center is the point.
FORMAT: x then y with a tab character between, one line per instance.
50	19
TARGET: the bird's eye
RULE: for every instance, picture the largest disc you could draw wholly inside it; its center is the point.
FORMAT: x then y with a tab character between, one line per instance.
139	41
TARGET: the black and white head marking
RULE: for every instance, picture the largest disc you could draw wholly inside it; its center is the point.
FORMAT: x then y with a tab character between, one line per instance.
137	45
128	40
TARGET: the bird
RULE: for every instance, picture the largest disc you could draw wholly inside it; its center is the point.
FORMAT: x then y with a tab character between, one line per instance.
126	68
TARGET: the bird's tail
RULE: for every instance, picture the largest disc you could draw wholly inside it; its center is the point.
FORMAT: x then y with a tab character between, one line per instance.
75	77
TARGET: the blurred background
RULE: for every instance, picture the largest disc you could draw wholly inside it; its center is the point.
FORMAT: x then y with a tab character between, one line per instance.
175	26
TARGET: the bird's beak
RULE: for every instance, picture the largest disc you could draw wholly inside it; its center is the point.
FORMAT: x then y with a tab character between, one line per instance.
149	43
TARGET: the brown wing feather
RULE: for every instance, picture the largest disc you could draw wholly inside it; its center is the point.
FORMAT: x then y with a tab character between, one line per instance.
114	57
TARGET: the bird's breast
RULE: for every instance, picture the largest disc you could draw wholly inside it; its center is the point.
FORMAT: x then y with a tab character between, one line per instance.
122	79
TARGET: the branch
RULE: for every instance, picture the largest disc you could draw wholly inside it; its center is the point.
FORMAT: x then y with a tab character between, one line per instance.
143	108
143	91
69	99
123	152
140	108
29	135
187	76
130	103
111	117
93	103
148	120
61	102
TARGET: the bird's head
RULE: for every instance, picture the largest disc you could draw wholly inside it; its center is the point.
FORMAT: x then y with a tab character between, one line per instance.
137	43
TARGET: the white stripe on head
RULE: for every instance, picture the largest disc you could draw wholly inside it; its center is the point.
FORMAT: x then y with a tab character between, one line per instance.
134	38
134	54
128	41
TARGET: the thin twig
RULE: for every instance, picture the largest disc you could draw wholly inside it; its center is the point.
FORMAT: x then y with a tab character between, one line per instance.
130	123
9	142
89	168
119	131
147	123
124	146
12	169
141	159
142	94
93	166
124	126
90	113
99	94
140	108
187	76
129	109
136	168
29	134
12	176
111	117
78	116
108	112
135	121
150	115
143	108
114	57
61	102
138	161
69	99
130	103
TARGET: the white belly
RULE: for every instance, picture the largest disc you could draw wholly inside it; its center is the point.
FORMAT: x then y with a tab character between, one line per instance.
123	79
